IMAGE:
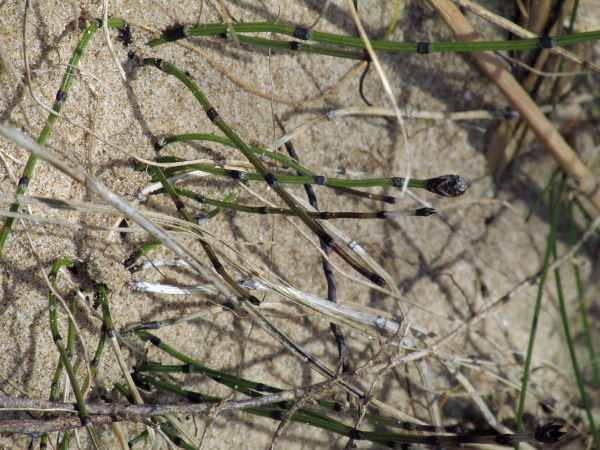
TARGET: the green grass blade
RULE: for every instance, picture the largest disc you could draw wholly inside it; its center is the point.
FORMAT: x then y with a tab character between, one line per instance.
587	329
571	347
555	204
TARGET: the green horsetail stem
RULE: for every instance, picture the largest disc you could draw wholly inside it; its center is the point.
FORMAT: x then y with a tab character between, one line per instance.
94	363
61	98
272	155
270	178
555	205
444	185
64	354
54	387
579	378
304	34
321	215
583	308
548	433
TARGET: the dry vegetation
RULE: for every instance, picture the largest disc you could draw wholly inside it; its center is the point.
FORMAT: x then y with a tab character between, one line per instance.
449	271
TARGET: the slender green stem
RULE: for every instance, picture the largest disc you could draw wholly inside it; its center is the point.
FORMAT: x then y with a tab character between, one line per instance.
59	369
548	433
555	85
319	420
571	346
64	443
554	214
96	360
238	175
252	388
212	256
307	414
303	415
64	354
270	178
242	385
445	185
53	394
229	380
129	262
289	179
56	381
587	329
303	34
61	98
262	152
322	215
540	197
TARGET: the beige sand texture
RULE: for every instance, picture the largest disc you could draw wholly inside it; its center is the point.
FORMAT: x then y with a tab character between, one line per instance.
446	269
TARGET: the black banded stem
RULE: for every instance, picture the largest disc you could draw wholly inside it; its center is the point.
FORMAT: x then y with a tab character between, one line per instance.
64	354
61	98
262	169
444	185
212	256
548	433
303	34
321	215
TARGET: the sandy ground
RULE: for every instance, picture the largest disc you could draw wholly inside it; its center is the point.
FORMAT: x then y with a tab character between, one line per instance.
447	267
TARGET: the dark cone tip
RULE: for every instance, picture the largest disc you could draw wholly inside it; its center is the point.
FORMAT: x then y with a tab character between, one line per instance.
549	433
448	185
378	280
252	299
425	212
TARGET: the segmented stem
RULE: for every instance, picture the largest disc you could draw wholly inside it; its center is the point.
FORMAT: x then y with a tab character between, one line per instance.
270	178
303	34
548	433
61	98
64	354
321	215
212	256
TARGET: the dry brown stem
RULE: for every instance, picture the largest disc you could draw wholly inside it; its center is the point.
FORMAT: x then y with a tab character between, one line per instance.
548	135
